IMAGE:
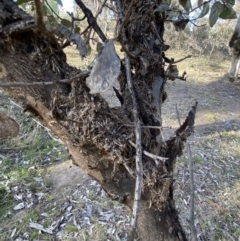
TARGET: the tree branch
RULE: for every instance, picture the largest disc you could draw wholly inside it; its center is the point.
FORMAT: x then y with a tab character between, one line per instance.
91	20
39	15
138	160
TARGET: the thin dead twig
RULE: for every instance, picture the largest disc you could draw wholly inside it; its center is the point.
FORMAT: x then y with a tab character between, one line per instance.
178	116
62	81
138	160
193	228
154	157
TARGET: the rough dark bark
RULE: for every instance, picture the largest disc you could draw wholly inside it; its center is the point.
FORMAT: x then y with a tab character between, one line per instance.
96	135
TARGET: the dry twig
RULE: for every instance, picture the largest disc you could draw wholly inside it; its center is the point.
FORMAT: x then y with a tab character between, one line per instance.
177	61
178	116
193	228
154	157
62	81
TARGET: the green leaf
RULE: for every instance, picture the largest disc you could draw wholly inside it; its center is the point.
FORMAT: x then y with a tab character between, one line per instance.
215	12
99	47
168	1
186	4
19	2
89	49
232	2
52	6
59	2
77	29
52	19
66	23
205	10
228	12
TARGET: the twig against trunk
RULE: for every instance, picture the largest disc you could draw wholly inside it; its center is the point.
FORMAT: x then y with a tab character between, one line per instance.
62	81
187	127
39	16
91	20
193	228
139	166
154	157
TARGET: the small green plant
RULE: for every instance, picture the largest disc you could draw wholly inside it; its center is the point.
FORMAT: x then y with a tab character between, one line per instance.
209	117
34	235
70	228
197	159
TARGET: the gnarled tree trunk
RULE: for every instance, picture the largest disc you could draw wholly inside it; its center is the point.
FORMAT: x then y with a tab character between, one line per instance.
97	136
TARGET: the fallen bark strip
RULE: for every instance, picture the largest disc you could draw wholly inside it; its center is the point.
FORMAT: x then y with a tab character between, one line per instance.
40	227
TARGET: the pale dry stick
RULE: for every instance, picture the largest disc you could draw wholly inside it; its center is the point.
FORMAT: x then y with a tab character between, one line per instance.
193	229
61	81
154	157
153	127
138	160
178	116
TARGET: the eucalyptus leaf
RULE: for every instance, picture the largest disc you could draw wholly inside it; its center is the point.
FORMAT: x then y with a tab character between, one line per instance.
215	12
66	23
232	2
19	2
52	6
186	4
205	10
228	12
168	1
99	47
52	19
77	29
59	2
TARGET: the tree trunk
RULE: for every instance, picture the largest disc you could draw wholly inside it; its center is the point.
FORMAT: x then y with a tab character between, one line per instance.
98	136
